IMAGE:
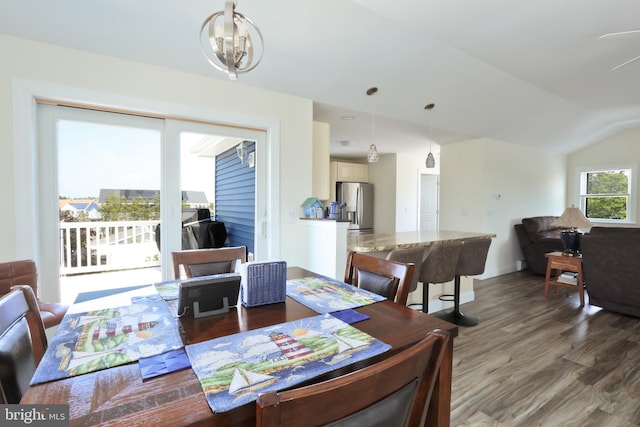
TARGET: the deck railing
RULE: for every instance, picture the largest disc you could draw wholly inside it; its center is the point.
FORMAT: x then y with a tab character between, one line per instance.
89	247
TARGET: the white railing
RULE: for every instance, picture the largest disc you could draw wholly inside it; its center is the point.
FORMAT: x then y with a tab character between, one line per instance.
89	247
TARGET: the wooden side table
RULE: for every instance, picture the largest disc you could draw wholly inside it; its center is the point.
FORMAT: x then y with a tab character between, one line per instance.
558	262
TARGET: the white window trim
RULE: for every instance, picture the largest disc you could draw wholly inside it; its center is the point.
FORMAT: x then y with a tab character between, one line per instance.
25	94
633	193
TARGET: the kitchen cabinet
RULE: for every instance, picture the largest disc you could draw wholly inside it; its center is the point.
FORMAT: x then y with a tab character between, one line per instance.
351	172
320	186
346	171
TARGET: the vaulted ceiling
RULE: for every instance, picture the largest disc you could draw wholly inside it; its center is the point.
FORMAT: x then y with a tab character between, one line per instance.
528	72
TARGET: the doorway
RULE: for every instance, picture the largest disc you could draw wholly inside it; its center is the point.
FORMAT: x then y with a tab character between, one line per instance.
428	215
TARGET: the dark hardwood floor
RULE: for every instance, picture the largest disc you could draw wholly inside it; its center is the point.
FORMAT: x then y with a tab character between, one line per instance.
536	361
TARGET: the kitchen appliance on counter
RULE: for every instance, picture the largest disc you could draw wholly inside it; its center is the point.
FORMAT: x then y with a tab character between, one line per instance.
357	198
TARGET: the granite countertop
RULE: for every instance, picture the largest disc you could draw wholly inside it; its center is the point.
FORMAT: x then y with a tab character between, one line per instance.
407	239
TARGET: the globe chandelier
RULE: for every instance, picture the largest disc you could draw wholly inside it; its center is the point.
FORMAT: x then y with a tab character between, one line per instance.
231	41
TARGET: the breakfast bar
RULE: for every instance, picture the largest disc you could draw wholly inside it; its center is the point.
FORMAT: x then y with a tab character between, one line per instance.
408	239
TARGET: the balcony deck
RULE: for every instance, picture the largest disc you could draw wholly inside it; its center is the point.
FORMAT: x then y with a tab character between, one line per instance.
71	286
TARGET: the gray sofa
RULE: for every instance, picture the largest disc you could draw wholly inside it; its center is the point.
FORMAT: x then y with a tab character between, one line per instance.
537	236
611	265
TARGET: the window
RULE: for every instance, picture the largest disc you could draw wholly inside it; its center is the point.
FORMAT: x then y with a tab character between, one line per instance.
606	195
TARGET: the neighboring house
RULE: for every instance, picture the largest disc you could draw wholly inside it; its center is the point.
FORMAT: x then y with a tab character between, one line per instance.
76	206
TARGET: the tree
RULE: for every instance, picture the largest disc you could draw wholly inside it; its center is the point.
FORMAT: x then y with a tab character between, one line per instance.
606	190
118	208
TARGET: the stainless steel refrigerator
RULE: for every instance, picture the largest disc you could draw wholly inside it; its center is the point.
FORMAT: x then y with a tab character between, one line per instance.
358	198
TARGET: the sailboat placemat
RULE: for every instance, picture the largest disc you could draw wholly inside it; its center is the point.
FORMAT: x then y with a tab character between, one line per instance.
234	369
325	295
99	339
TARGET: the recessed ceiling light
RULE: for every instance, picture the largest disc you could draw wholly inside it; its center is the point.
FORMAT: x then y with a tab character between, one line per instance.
348	117
346	143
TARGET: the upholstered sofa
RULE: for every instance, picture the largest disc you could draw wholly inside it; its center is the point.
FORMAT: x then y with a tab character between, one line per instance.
537	236
611	266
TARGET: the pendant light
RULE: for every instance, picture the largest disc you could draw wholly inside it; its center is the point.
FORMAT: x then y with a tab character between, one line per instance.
431	161
372	155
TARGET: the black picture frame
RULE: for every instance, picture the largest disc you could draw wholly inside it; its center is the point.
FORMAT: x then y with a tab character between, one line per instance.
208	296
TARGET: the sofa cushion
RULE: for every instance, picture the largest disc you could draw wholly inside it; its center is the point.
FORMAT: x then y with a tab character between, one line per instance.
540	227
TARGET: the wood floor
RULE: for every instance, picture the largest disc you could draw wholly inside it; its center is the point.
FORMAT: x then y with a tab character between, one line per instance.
536	361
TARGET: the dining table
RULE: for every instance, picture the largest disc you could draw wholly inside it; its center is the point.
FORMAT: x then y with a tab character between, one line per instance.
118	396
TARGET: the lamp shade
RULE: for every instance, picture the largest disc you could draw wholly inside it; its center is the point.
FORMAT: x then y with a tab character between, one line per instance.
572	218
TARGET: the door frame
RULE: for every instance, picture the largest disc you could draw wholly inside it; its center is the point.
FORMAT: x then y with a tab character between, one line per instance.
26	95
421	173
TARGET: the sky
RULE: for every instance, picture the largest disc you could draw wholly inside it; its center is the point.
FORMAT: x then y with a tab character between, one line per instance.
92	156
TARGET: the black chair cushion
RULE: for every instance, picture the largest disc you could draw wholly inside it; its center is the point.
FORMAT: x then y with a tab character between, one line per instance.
376	283
17	364
209	268
391	411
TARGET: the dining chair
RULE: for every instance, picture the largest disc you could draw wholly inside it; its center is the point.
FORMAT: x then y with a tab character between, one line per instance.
393	392
24	272
384	277
22	342
205	262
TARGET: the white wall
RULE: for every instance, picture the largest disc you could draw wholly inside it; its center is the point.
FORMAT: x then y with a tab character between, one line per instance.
51	65
409	167
616	151
488	186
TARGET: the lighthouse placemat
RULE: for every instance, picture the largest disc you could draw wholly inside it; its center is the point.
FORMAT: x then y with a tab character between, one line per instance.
234	369
99	339
325	295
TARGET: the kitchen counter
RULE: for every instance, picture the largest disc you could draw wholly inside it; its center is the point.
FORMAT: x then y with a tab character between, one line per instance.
407	239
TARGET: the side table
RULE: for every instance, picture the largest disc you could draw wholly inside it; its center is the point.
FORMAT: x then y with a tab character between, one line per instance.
557	261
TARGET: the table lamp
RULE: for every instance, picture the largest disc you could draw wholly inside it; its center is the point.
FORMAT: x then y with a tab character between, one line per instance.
570	221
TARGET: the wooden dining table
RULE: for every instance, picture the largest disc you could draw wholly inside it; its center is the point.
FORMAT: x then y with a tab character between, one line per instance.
119	397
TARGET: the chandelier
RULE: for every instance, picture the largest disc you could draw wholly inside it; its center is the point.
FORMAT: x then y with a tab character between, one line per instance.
231	42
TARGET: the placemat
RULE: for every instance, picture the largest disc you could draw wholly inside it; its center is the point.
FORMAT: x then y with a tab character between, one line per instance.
99	339
324	295
234	369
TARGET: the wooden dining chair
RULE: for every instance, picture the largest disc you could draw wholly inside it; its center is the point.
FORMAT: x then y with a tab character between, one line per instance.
393	392
384	277
22	342
205	262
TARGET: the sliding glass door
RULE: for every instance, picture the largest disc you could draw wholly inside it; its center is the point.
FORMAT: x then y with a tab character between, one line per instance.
113	189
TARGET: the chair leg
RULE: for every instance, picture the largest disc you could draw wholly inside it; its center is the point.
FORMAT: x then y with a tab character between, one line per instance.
425	297
455	316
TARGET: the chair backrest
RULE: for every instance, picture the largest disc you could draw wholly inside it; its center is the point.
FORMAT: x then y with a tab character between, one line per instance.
205	262
22	272
440	264
409	255
393	392
473	257
22	342
390	279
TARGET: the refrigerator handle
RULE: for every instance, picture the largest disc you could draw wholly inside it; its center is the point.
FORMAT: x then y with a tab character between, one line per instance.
359	206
